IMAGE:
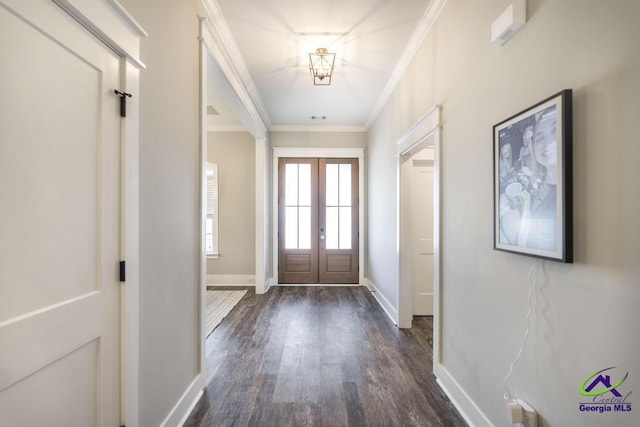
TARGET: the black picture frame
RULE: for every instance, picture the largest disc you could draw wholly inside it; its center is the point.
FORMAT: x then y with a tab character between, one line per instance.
532	180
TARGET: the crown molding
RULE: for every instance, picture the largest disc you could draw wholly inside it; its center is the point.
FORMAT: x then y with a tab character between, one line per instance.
316	128
423	28
231	61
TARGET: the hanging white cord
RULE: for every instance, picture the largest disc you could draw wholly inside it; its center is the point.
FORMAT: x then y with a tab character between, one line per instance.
507	394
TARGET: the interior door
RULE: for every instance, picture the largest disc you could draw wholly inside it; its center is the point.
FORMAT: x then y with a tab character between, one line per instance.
59	221
422	236
318	221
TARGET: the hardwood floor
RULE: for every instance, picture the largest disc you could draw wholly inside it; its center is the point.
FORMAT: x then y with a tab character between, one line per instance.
320	356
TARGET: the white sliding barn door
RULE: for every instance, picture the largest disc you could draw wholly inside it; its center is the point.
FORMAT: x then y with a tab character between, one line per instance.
59	221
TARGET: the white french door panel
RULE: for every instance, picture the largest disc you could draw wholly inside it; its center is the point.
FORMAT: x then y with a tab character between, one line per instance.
59	220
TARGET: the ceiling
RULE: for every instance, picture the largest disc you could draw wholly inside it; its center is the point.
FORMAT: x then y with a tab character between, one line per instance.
373	40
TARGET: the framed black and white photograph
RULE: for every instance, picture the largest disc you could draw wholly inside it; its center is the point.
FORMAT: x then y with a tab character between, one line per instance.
532	180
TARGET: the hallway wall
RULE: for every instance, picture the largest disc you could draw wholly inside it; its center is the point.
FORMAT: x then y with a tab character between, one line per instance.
169	204
585	313
234	152
319	139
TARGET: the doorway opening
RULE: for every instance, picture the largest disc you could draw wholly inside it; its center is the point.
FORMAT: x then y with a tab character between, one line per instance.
424	134
234	115
417	210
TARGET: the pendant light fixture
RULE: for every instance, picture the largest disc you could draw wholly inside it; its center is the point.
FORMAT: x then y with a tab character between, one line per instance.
321	66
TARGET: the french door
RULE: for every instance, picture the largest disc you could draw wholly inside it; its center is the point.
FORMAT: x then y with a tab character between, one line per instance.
318	211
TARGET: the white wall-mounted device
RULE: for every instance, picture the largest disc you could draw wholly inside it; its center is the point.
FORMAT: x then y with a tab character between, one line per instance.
509	22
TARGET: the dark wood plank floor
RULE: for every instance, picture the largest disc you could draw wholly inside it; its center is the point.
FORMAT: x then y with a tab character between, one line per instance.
320	356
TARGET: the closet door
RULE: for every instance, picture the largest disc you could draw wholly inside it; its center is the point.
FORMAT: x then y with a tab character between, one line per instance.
59	221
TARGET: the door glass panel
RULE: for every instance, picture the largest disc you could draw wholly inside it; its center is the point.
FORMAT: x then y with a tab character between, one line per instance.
332	225
345	228
291	184
304	227
338	206
304	187
345	185
332	179
291	227
297	206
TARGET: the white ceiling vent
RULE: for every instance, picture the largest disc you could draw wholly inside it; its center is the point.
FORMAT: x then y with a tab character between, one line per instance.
509	22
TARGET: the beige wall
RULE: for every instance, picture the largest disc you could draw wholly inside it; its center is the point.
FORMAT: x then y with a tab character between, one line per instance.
234	152
169	204
585	314
319	139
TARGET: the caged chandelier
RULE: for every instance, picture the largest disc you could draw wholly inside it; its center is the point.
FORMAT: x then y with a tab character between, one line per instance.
321	66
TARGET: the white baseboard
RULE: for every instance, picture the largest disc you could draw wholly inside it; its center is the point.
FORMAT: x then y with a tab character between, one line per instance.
182	409
460	399
231	279
269	283
384	302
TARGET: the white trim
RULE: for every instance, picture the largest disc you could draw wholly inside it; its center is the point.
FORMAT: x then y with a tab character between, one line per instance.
317	128
437	245
423	28
231	280
460	399
270	282
183	407
344	153
304	152
225	50
126	17
420	131
230	86
384	303
131	220
113	27
202	226
262	214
